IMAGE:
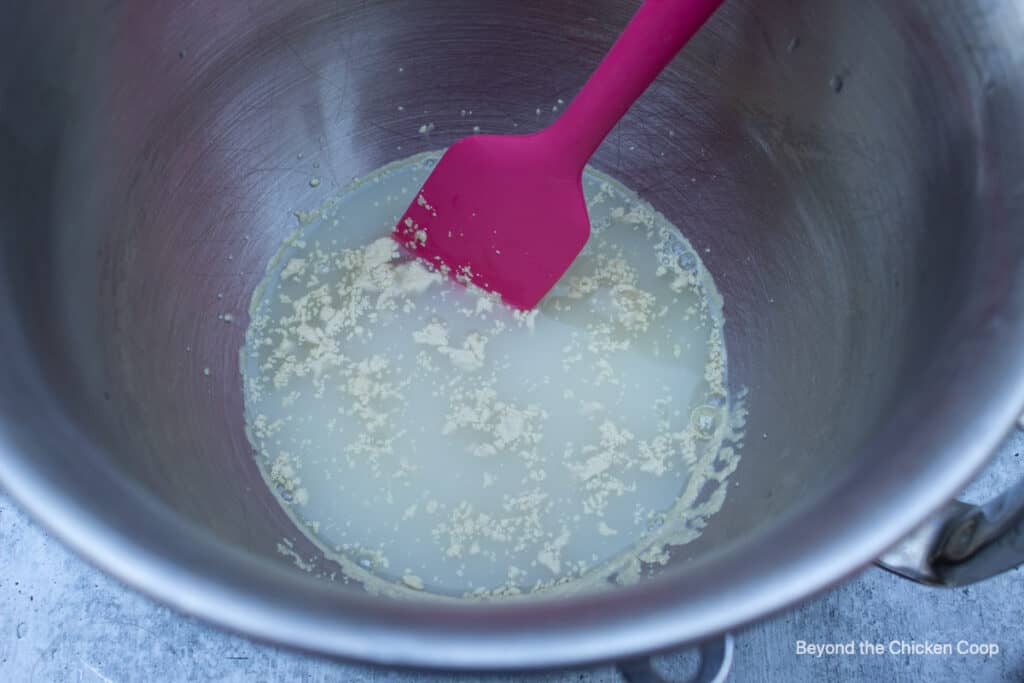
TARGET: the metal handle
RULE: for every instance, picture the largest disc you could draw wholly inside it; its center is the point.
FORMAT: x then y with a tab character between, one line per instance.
715	663
964	543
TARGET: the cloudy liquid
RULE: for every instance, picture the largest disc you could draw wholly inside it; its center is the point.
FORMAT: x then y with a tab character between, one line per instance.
431	438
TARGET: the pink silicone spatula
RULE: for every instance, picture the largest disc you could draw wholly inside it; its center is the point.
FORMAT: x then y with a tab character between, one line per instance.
506	212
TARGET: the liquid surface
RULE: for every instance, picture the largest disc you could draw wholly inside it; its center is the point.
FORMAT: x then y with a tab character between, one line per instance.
429	438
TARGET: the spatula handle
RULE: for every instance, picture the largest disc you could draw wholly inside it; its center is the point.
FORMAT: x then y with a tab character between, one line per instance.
657	31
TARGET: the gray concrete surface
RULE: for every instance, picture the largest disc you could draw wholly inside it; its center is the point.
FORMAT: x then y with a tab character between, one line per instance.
62	620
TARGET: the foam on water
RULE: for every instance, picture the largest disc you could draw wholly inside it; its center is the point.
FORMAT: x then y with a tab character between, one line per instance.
428	436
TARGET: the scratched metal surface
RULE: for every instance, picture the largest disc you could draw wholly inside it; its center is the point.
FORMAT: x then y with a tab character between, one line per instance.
200	117
62	620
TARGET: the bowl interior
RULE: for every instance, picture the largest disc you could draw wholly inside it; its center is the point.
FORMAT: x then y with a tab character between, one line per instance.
822	157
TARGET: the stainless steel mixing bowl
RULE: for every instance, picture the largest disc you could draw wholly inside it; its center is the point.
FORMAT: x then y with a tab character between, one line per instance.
851	170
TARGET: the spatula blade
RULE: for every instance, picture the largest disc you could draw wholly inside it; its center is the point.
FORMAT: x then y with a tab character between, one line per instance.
501	212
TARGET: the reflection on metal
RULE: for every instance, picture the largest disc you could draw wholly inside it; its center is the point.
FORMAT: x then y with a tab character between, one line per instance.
963	543
867	242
